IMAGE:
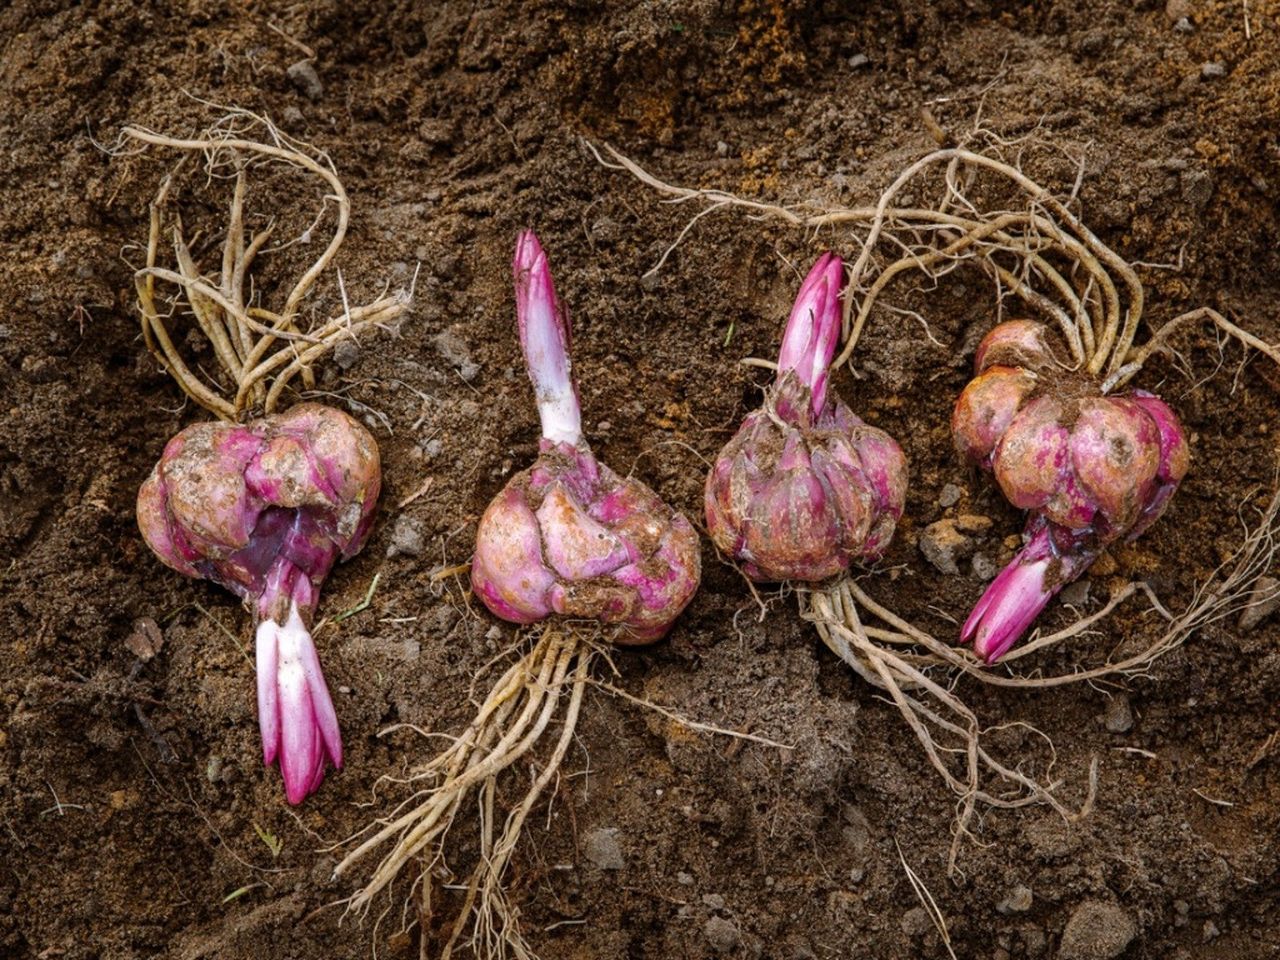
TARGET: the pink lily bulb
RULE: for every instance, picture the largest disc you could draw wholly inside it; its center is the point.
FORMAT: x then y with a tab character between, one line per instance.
568	536
265	509
805	487
1091	469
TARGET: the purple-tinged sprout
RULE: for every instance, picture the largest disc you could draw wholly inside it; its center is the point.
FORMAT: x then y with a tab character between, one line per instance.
1091	469
265	509
568	536
1051	558
805	487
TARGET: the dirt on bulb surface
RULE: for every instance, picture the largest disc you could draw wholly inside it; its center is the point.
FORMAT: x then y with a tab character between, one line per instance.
136	817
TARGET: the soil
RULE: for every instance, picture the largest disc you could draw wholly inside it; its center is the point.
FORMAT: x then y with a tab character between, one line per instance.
135	809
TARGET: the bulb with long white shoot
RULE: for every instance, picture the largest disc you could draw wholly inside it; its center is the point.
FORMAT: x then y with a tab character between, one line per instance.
586	556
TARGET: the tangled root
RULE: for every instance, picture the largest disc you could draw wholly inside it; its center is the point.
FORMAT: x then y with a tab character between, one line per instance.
518	710
259	350
1039	250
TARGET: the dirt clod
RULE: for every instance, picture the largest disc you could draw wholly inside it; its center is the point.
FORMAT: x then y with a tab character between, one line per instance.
1017	900
1097	930
407	538
722	935
943	545
601	847
1117	717
304	77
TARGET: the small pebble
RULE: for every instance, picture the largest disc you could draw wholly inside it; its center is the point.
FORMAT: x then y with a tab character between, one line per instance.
1097	931
346	353
406	537
1017	900
859	60
1076	594
605	231
723	936
950	496
304	77
213	769
146	639
1184	25
1118	715
1263	601
722	148
601	847
684	879
1212	70
943	546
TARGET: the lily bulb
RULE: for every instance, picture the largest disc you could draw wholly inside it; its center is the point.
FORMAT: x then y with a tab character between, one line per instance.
805	487
1090	469
265	509
568	536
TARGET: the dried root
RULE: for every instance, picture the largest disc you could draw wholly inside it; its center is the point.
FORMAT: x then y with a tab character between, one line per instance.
259	350
518	710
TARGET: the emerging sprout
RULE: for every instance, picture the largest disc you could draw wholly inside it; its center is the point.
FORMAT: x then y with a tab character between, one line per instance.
805	487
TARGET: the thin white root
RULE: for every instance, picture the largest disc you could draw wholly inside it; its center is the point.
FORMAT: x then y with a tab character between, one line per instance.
518	710
1051	260
918	672
260	351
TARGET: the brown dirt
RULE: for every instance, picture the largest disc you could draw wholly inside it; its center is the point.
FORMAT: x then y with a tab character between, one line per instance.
454	126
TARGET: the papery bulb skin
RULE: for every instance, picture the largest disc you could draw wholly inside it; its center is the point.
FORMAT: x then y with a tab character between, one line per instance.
805	488
265	509
568	536
1091	469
